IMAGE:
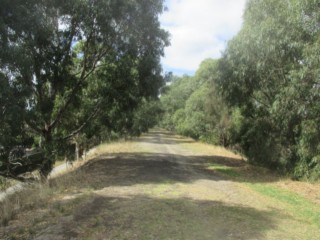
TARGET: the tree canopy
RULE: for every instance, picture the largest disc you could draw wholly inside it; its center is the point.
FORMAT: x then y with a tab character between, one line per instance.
268	72
74	67
262	97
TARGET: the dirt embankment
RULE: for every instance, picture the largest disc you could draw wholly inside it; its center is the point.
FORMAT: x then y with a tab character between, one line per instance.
157	187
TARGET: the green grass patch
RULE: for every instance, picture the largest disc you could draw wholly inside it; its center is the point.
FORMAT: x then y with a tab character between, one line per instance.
225	170
298	206
295	204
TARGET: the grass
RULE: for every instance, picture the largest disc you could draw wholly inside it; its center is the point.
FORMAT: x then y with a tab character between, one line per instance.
39	206
165	208
294	203
28	199
41	194
206	148
225	170
116	147
65	185
58	163
6	183
296	198
264	182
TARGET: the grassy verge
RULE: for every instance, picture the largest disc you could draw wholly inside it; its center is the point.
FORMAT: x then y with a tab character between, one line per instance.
297	205
58	163
35	197
111	200
6	183
54	197
225	170
283	191
210	149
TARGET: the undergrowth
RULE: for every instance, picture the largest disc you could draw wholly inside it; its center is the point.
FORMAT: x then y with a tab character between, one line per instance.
41	195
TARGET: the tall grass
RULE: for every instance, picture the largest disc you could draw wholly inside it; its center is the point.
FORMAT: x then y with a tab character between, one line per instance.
6	183
27	199
39	195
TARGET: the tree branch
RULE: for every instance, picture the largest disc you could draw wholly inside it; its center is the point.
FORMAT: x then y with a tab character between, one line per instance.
260	102
84	75
32	125
92	115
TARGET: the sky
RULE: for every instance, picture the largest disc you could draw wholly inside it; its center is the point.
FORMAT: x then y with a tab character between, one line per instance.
199	29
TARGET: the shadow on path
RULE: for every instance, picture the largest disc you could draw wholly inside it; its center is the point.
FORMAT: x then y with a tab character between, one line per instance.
142	217
129	169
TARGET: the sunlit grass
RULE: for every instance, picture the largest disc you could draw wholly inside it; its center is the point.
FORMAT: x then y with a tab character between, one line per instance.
68	183
295	204
209	149
263	182
229	171
116	147
299	206
187	209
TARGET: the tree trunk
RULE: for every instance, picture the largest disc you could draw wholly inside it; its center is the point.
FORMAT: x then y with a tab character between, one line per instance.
47	164
77	150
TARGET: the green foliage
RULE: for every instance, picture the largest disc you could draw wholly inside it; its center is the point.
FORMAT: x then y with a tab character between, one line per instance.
146	116
174	99
193	107
76	71
261	97
268	72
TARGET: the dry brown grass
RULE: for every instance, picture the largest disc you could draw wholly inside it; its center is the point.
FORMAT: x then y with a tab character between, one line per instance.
249	173
310	190
6	183
208	149
31	197
63	186
155	189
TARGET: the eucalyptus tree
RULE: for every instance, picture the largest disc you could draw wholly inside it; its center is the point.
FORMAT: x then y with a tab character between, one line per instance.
174	99
269	72
193	106
69	62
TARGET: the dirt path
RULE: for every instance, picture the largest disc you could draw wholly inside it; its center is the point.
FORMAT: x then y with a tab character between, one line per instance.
162	190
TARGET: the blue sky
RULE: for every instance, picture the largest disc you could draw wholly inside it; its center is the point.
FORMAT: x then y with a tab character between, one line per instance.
199	29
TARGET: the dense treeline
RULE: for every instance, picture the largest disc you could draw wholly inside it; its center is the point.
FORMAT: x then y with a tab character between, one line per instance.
262	97
74	73
193	108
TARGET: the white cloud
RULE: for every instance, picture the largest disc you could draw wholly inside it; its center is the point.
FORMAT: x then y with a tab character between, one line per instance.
199	29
